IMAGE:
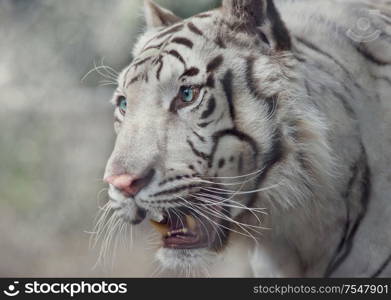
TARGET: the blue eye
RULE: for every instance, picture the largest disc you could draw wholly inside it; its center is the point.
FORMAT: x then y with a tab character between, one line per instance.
122	104
189	94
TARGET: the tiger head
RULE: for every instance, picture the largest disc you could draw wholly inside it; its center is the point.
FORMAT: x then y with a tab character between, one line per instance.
206	127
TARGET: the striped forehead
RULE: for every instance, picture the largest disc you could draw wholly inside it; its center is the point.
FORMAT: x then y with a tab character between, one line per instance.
186	35
190	29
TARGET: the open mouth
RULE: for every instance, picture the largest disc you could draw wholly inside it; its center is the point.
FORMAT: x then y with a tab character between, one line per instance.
184	230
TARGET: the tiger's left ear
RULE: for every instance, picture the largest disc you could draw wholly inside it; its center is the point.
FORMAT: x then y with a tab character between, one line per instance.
258	16
156	16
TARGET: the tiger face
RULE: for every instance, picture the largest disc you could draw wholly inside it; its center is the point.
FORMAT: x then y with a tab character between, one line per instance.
195	130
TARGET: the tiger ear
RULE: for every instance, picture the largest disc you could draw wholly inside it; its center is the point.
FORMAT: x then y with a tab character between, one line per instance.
156	16
258	16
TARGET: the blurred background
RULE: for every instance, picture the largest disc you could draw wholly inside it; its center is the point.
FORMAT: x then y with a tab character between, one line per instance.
56	132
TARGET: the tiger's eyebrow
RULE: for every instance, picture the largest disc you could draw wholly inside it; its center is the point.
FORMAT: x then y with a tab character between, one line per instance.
193	71
183	41
133	80
214	63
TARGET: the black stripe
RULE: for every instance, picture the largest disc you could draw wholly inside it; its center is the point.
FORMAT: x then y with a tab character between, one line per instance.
263	37
201	138
384	36
382	267
346	196
236	133
199	104
310	45
158	46
203	125
365	195
210	109
210	81
388	22
139	63
227	86
307	87
250	79
133	80
386	79
369	56
176	28
299	58
345	102
214	63
343	84
203	15
221	117
193	71
173	105
176	178
176	54
221	163
252	86
194	28
175	190
280	33
272	104
153	47
160	62
163	201
219	42
338	63
200	154
273	156
240	163
183	41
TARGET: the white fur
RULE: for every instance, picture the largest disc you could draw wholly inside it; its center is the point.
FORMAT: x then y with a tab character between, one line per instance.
307	212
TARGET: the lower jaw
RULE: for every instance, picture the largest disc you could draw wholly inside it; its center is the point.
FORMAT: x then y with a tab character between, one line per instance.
188	246
198	240
184	247
183	259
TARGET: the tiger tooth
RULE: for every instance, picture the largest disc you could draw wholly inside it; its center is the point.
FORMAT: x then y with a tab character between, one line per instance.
191	222
157	217
163	229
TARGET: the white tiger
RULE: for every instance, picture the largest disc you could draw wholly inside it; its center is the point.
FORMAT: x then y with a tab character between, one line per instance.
240	122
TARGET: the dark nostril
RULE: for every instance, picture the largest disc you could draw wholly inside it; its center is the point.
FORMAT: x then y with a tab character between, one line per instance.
142	182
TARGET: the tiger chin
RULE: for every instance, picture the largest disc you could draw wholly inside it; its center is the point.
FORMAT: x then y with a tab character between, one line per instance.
236	122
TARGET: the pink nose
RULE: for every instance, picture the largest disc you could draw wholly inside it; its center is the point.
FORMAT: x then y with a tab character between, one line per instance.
123	183
128	184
